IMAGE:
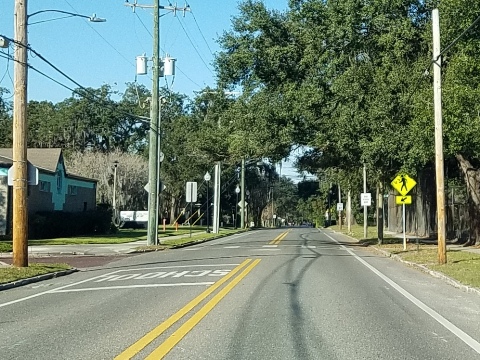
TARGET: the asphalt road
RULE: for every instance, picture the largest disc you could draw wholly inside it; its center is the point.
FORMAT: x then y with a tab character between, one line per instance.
297	293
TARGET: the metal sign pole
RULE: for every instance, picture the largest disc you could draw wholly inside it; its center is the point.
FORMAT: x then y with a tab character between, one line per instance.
191	207
404	237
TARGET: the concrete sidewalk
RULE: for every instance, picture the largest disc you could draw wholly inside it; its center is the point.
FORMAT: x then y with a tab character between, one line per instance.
91	249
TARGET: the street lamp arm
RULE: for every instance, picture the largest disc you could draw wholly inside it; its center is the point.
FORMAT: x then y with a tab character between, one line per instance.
92	18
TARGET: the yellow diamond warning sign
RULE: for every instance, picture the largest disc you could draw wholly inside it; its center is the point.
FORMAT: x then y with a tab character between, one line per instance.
400	200
403	184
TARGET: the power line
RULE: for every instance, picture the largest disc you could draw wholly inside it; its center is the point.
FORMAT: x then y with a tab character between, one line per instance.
195	48
148	31
201	33
106	41
8	63
94	97
458	38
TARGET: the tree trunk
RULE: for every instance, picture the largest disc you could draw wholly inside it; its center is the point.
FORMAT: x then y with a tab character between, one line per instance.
472	180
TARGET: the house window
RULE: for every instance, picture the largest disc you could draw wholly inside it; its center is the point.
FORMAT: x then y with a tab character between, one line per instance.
59	181
44	186
72	190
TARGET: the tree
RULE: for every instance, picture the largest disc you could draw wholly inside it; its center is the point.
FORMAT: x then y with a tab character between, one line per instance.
132	175
6	124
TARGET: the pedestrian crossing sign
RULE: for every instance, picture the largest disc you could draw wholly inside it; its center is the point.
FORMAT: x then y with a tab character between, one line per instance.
403	184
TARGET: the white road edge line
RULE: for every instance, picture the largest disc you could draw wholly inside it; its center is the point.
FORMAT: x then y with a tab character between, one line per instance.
53	290
134	286
467	339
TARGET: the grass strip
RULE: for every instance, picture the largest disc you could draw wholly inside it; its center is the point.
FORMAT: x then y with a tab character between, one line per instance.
10	273
5	247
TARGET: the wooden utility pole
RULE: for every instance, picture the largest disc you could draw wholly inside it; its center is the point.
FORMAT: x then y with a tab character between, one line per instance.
20	185
152	233
154	153
439	164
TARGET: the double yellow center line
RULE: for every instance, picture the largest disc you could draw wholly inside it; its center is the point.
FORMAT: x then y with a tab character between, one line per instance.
183	330
279	238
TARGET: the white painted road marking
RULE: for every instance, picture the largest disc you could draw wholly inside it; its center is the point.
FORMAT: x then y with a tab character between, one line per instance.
270	246
50	291
134	286
467	339
175	267
109	274
231	247
162	275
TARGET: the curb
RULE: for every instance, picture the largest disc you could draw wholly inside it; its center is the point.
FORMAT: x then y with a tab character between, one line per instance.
36	279
423	268
190	243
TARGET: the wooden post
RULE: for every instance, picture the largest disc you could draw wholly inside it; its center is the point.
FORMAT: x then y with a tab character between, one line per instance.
439	164
20	185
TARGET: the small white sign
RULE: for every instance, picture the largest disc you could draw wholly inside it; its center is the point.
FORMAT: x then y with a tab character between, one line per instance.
366	199
32	175
141	216
240	204
339	206
191	192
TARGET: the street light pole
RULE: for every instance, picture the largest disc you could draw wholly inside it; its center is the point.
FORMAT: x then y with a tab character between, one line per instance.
20	190
114	205
237	190
92	18
20	126
242	197
207	178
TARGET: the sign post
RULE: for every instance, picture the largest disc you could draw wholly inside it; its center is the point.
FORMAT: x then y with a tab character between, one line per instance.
403	184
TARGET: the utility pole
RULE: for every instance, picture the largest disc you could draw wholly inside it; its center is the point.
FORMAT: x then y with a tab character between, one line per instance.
439	164
340	211
349	211
365	208
273	215
152	234
114	205
155	120
20	185
242	198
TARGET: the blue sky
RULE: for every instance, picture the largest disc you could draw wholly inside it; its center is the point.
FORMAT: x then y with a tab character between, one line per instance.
94	54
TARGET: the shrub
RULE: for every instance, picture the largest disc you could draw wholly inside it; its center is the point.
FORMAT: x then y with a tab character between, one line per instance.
54	224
